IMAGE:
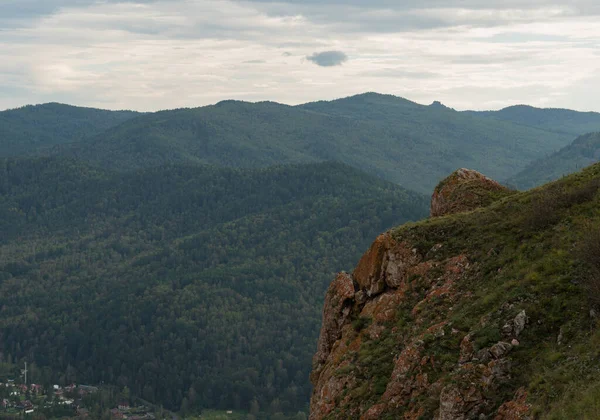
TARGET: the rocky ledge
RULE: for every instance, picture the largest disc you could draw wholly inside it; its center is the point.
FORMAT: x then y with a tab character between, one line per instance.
390	346
465	190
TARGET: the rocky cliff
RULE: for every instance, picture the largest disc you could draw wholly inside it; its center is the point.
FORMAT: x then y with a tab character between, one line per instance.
465	315
465	190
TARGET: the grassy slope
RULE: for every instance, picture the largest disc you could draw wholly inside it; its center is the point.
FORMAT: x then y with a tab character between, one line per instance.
389	137
584	151
30	129
535	251
528	249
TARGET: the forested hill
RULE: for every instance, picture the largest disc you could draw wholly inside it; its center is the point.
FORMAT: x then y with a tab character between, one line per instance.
387	136
406	143
551	119
30	129
584	151
193	286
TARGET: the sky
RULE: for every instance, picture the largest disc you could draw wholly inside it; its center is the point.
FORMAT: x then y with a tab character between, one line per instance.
155	54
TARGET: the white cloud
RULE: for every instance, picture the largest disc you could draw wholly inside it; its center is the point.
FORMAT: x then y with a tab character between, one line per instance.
151	55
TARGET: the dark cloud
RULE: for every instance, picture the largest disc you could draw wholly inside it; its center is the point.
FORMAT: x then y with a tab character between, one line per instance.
328	58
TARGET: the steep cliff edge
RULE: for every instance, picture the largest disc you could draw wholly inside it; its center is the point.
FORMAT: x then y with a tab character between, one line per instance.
475	315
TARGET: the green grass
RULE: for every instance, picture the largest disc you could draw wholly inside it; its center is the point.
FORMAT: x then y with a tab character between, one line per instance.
517	265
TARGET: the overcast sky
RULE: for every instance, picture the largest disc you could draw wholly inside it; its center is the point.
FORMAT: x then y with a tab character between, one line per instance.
150	55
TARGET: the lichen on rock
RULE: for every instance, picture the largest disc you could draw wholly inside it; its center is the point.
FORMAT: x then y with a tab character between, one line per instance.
434	322
465	190
335	312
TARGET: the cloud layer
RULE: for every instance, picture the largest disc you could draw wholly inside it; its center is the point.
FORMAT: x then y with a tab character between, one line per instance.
158	54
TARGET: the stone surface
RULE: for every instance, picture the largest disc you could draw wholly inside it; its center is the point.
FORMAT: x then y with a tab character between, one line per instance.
459	404
404	301
517	409
519	323
385	265
500	349
467	350
335	312
464	190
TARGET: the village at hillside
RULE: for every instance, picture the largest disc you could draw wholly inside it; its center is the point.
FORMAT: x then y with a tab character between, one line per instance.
82	401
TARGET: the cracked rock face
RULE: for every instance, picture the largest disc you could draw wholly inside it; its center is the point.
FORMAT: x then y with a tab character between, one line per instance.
394	281
464	190
385	265
335	312
390	345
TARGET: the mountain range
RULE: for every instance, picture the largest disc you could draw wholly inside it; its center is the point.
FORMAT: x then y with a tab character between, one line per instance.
582	152
392	138
184	255
32	129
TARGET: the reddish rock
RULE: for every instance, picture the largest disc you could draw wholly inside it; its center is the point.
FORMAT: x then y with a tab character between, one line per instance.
500	349
464	399
327	395
467	349
386	264
368	271
413	319
444	286
335	313
403	380
374	413
517	409
464	190
383	308
398	264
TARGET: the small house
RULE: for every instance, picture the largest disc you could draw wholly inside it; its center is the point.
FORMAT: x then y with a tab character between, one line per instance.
124	406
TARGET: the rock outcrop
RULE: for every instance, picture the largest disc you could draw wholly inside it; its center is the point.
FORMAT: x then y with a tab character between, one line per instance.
390	345
393	280
465	190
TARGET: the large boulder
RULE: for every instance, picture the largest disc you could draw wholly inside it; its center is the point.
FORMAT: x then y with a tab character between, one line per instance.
465	190
384	265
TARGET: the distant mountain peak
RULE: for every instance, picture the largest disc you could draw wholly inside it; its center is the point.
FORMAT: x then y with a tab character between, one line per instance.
439	105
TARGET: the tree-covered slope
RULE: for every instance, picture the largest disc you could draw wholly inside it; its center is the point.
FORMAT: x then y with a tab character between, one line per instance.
488	313
584	151
193	286
386	136
553	119
31	129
